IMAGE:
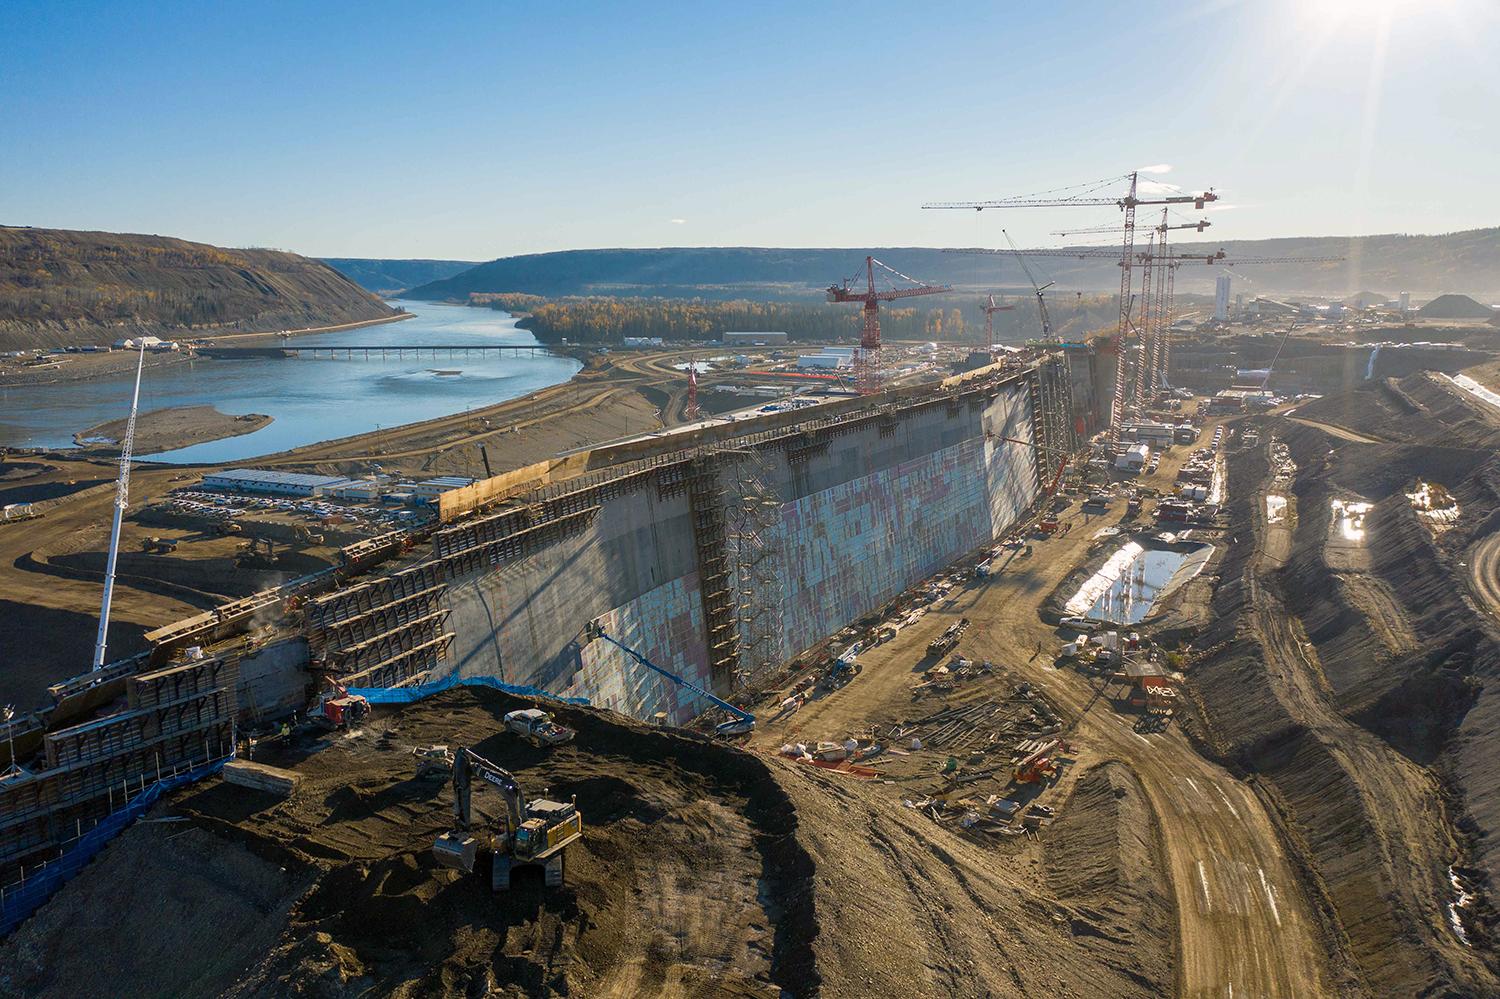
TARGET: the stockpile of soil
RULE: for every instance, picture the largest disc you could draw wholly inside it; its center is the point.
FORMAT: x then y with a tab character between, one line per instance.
688	881
1337	677
168	909
1104	855
1420	408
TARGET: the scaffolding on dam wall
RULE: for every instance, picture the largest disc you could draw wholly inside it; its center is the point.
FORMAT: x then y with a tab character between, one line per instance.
726	560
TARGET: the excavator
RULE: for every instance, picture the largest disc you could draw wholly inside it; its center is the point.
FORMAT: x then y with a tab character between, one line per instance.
530	834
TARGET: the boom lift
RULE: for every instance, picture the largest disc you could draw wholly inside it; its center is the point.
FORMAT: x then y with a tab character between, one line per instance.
744	721
530	834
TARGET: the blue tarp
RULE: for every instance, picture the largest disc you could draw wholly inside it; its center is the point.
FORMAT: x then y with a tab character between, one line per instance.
410	695
22	900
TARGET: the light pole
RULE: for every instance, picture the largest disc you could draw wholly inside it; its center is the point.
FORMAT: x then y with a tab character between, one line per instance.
6	714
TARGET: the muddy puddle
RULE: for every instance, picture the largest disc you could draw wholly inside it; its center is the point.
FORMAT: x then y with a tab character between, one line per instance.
1129	583
1349	520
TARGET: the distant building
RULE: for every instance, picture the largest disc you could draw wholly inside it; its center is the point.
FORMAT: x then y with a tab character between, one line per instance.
830	361
752	339
352	489
1134	459
1405	301
149	342
1221	298
431	489
268	481
1147	431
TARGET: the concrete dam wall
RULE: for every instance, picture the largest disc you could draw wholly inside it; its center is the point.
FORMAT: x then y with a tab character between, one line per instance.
851	512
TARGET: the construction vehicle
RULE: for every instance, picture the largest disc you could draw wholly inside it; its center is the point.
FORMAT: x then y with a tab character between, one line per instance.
948	640
341	709
742	723
840	671
160	546
538	728
1038	764
530	834
433	761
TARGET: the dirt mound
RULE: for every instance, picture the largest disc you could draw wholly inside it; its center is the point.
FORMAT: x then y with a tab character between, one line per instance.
1338	676
1415	409
1455	307
688	881
166	910
1104	855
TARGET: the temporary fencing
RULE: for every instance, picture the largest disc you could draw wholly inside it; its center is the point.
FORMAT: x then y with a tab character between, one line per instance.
20	899
415	692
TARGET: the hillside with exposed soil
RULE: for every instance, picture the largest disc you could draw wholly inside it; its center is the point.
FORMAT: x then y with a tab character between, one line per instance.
60	287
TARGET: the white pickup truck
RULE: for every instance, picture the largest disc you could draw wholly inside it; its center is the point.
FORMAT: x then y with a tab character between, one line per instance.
537	727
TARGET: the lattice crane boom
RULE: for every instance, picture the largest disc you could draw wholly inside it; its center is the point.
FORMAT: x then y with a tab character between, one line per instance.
122	499
868	368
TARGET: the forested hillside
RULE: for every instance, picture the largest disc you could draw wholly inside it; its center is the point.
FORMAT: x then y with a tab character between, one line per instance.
386	277
609	320
61	287
1467	262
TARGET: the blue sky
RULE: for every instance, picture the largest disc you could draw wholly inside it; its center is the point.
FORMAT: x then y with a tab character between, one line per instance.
475	130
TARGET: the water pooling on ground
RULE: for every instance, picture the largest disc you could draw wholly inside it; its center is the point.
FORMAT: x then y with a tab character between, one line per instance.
1128	584
310	400
1349	520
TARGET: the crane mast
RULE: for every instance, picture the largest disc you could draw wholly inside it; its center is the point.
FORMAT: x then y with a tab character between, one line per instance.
122	498
1117	401
990	308
1127	204
868	368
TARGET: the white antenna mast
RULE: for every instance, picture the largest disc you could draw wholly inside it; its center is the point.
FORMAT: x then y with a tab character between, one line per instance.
122	497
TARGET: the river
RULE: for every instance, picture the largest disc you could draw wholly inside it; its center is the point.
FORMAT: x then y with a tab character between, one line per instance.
310	400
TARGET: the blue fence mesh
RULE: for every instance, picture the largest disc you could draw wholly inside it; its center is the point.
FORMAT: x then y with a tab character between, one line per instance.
408	695
20	900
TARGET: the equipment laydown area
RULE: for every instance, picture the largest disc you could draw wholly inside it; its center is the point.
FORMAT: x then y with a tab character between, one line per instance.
704	868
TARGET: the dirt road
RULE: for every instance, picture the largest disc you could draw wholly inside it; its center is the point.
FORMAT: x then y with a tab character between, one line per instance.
1343	433
1484	572
1244	924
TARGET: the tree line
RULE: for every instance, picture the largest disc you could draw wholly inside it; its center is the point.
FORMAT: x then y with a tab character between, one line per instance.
609	320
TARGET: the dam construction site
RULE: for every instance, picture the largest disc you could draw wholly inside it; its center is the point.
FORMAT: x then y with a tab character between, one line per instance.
1153	661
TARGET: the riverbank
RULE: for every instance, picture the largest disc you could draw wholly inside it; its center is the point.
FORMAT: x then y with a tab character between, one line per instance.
66	368
166	429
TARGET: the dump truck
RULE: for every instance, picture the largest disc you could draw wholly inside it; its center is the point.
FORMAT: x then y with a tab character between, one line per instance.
534	833
538	728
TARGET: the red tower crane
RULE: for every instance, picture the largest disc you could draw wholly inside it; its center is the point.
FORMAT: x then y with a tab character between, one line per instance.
868	364
990	308
692	399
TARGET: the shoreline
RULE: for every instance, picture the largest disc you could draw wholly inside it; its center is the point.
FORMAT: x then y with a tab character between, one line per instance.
99	366
169	429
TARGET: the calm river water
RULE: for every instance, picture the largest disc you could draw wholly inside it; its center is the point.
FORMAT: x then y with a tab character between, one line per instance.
311	400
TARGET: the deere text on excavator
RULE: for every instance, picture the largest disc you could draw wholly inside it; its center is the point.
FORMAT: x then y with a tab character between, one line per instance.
529	834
